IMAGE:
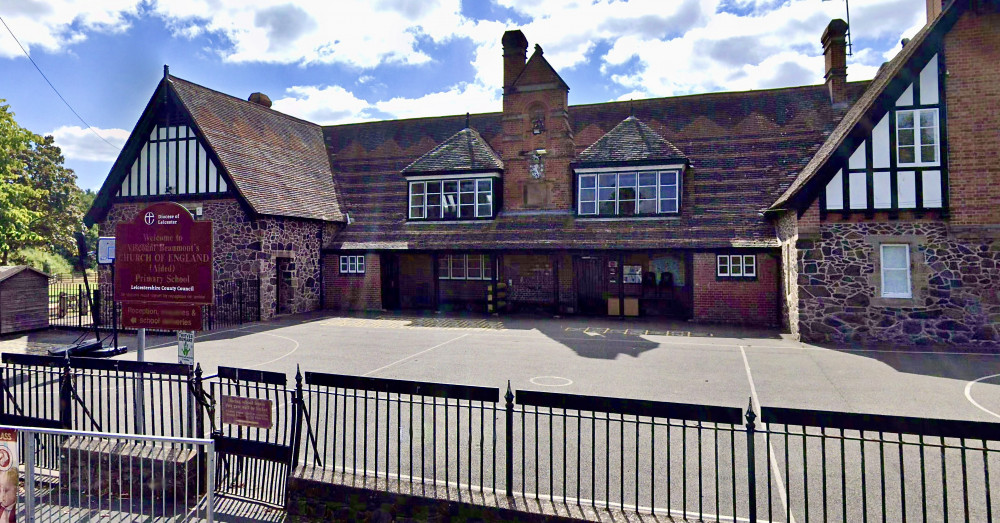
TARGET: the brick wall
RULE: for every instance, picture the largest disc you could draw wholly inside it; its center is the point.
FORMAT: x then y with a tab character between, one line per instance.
463	294
355	292
972	48
567	288
751	302
532	278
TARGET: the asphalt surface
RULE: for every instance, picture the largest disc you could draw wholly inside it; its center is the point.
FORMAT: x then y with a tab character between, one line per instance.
654	360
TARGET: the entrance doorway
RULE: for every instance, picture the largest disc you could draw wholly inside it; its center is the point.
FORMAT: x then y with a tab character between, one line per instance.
590	291
390	281
284	273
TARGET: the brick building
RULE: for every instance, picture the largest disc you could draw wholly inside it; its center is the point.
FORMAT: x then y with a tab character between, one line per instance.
807	207
891	230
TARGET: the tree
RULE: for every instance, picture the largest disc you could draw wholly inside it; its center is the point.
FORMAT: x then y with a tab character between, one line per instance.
19	203
43	170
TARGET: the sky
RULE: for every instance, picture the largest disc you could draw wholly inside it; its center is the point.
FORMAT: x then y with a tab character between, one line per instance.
342	61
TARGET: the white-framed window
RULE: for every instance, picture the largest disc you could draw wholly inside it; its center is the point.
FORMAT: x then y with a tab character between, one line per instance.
895	271
451	199
628	193
352	264
736	266
917	137
465	267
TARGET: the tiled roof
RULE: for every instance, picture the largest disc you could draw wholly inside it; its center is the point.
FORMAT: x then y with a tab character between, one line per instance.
464	151
6	271
278	163
745	148
866	104
629	141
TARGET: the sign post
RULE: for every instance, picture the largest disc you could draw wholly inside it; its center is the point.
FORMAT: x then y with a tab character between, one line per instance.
106	256
163	275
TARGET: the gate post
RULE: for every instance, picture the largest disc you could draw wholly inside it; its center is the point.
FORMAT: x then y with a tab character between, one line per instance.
298	404
198	392
509	465
751	463
66	396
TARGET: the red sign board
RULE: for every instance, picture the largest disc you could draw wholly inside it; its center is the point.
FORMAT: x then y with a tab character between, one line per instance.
163	316
249	412
164	256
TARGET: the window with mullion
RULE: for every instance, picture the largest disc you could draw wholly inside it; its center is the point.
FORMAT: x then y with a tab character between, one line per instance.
628	193
418	199
484	198
451	199
917	137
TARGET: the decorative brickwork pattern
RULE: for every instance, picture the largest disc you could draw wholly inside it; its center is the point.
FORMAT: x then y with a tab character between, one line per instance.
954	283
355	292
753	302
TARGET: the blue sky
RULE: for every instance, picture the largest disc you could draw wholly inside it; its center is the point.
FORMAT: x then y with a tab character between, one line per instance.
357	60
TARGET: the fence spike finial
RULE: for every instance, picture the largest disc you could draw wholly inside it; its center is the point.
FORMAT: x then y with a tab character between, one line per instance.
510	394
751	415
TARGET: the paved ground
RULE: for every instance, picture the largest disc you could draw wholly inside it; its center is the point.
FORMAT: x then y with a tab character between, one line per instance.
661	360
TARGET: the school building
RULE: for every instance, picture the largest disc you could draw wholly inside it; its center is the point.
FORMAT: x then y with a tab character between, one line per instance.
847	211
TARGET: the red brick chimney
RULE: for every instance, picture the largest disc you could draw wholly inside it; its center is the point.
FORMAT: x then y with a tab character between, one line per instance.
835	52
515	53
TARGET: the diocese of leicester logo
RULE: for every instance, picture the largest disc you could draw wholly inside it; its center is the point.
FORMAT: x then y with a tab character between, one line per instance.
5	459
149	218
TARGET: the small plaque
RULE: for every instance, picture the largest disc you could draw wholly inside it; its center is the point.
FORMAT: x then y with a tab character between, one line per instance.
106	250
185	347
248	412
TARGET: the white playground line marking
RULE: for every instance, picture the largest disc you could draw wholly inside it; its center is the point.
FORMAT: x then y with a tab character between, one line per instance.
283	356
557	381
968	395
369	373
774	462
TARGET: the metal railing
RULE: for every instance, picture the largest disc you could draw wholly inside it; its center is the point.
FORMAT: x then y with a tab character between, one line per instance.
433	434
836	466
116	477
236	302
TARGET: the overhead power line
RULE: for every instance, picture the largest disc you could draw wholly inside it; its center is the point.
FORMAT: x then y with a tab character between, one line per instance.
39	69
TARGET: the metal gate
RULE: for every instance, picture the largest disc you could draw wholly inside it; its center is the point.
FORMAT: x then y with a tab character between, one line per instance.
253	461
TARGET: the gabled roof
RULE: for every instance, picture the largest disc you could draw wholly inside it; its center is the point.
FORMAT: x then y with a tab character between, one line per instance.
862	116
539	71
277	164
464	151
6	271
630	142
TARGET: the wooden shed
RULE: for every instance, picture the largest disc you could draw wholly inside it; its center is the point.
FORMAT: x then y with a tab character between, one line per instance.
24	299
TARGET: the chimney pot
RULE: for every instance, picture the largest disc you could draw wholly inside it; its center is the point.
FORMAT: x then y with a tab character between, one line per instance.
515	54
835	55
260	99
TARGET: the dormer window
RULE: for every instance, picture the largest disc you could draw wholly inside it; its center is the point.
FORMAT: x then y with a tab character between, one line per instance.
451	199
629	193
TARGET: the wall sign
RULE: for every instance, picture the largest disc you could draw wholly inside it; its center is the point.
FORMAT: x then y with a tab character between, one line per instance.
162	316
185	347
166	256
105	250
632	274
248	412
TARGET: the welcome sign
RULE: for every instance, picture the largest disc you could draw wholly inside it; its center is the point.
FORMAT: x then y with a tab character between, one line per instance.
164	255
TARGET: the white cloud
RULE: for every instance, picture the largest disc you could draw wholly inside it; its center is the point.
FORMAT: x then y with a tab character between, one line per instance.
79	143
55	24
323	105
463	98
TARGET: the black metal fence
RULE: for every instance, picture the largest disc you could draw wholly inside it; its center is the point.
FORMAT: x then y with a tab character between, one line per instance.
690	461
236	302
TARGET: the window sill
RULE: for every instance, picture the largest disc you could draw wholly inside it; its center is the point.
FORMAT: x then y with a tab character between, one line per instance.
595	218
449	222
896	302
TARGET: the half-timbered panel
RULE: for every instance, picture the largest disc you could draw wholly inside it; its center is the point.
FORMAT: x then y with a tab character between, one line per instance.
899	165
172	161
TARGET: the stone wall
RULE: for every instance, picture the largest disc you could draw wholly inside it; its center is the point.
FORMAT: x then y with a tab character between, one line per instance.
954	275
786	228
244	247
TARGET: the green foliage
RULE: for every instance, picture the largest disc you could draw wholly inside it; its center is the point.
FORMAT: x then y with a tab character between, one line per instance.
44	261
19	203
40	205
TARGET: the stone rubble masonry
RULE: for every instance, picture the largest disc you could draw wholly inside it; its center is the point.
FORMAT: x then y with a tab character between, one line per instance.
751	302
954	279
788	235
354	292
244	247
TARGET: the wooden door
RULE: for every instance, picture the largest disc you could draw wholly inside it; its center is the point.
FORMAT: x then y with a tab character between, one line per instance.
590	286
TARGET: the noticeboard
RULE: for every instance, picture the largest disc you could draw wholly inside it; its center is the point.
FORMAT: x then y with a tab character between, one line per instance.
248	412
164	256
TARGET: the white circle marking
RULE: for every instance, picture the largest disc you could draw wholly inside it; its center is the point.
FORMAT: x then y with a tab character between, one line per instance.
968	394
550	381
